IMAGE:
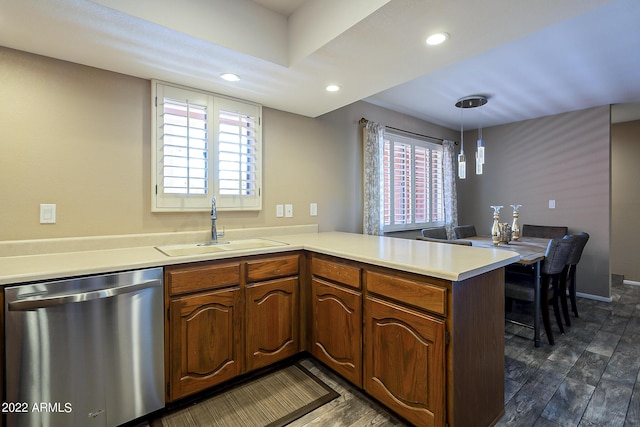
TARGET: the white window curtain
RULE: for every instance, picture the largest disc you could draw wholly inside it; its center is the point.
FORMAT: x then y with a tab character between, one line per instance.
450	192
373	141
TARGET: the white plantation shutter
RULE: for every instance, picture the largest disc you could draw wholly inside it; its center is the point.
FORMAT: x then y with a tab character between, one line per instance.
422	180
204	145
239	157
184	147
402	177
413	183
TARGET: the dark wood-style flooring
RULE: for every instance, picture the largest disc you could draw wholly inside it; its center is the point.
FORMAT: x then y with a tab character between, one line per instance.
588	378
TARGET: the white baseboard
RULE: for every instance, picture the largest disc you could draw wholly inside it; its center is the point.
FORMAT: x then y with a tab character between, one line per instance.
593	297
605	299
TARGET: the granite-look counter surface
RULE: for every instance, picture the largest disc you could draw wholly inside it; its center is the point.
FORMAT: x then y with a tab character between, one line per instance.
449	262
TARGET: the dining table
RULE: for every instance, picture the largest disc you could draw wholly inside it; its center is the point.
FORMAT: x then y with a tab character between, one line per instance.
532	252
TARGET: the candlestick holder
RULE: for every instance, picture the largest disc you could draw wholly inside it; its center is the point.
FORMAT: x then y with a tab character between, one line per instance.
495	228
515	227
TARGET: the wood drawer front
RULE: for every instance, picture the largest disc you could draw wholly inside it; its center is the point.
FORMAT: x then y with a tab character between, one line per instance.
418	294
336	272
272	268
193	278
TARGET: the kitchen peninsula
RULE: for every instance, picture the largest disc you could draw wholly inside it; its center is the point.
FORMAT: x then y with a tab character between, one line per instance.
433	311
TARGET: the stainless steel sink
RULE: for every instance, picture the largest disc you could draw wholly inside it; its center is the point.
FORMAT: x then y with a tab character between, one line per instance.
222	246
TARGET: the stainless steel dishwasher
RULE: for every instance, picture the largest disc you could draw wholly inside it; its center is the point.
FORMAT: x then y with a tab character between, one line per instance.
87	351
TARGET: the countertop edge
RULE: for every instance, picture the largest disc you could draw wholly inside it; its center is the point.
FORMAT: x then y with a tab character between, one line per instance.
449	262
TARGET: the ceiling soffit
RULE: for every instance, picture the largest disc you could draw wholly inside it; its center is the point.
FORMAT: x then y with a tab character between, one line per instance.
265	34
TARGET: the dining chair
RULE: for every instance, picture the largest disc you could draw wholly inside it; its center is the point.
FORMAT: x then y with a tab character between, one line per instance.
435	233
544	231
451	242
464	231
568	282
520	286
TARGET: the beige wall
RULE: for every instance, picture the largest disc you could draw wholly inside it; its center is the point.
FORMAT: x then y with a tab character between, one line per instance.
625	199
565	158
79	137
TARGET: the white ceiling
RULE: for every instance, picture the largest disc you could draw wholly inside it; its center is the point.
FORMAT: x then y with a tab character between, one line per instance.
531	58
283	7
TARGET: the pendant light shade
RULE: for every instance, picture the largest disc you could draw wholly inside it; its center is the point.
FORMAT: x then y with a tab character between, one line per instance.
472	101
462	165
462	161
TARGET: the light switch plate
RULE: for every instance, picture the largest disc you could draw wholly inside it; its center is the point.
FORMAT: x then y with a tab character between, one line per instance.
313	209
47	213
279	211
288	211
552	204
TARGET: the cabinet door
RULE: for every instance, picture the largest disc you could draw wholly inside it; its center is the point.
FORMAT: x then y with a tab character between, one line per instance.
336	331
272	321
404	365
206	340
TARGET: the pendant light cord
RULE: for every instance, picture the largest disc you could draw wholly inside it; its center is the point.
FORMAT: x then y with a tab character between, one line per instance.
461	132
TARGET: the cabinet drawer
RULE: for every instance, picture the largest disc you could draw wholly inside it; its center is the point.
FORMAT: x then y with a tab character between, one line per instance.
336	272
272	268
418	294
199	277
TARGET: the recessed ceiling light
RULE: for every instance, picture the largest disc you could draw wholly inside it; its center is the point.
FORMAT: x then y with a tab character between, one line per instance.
332	88
230	77
437	38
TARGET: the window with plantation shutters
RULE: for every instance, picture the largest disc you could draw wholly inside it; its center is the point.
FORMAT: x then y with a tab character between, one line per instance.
412	183
204	145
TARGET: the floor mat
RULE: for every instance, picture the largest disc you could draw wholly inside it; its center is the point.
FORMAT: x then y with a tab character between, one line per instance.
273	400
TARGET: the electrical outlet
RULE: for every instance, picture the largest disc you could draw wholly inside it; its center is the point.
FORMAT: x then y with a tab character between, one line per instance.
288	211
313	209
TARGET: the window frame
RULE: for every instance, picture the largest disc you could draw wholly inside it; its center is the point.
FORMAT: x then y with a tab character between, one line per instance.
434	194
215	103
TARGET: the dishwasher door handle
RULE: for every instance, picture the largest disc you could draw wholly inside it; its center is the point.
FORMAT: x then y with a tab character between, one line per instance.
33	304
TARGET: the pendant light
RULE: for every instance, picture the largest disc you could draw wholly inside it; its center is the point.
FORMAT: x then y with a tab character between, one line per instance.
472	101
480	149
462	161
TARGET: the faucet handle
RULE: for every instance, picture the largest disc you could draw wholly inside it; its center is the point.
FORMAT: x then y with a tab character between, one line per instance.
221	234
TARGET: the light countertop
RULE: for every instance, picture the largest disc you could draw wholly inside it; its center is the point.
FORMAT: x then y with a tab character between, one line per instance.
445	261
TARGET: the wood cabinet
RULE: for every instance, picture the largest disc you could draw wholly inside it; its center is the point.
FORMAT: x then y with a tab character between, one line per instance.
272	315
431	350
336	325
225	318
404	362
205	340
434	349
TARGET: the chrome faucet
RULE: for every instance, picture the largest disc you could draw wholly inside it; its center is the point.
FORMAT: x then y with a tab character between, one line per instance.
214	228
214	217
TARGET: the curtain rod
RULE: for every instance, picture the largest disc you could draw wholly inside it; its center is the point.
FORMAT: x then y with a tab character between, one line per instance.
364	121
